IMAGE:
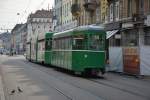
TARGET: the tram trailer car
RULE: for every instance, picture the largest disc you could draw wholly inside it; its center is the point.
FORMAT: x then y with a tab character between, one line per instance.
42	49
44	46
81	50
28	51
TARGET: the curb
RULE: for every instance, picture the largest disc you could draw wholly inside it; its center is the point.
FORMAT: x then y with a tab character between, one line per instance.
2	96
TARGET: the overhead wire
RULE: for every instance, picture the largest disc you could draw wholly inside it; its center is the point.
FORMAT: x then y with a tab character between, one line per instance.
28	6
22	16
40	4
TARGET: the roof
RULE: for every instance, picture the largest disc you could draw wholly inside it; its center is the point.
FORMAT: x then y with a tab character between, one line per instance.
17	26
42	14
45	35
5	36
80	29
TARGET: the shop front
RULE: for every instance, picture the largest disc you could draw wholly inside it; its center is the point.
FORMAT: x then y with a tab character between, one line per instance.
115	47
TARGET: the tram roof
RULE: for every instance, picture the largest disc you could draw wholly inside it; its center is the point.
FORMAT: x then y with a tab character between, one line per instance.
79	29
49	34
45	35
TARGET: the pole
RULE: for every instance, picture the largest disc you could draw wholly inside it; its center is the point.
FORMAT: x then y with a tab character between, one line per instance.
141	24
61	10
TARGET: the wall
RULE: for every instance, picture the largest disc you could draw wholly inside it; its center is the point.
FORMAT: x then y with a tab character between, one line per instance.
144	60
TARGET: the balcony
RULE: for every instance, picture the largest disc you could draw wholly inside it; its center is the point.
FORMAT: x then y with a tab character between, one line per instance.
91	5
109	0
75	9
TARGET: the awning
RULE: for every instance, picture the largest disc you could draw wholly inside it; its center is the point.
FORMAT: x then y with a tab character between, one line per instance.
111	33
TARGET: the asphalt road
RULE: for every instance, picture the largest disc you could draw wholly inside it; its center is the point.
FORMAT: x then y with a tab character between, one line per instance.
37	82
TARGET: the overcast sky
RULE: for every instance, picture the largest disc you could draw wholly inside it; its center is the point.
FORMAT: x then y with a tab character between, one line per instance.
17	11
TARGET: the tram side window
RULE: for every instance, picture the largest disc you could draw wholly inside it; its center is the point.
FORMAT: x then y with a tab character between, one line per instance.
43	45
54	44
39	46
58	44
79	42
62	44
35	47
96	42
65	43
70	43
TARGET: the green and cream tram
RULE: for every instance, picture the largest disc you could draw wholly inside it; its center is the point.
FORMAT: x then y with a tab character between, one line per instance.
81	50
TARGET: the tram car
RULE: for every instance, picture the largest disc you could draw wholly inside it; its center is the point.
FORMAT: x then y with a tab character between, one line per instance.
44	46
28	50
81	50
39	49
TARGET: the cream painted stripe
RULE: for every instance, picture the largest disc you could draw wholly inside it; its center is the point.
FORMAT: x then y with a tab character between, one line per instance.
73	50
41	51
48	51
80	50
40	59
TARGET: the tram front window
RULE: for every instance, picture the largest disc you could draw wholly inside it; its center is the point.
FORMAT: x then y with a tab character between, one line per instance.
96	42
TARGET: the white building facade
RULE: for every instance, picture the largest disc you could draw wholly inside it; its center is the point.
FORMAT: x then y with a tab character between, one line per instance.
64	18
38	23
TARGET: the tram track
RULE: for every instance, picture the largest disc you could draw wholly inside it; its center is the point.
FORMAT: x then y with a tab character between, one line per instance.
61	93
98	82
59	90
121	89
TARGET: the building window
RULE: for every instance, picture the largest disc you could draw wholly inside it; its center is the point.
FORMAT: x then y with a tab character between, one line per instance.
130	38
111	12
117	10
147	37
129	8
115	41
97	14
149	6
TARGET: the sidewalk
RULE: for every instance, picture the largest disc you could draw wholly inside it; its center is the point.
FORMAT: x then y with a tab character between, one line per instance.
2	96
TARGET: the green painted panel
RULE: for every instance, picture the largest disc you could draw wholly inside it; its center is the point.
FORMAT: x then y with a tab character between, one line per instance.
78	60
47	57
88	59
49	35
